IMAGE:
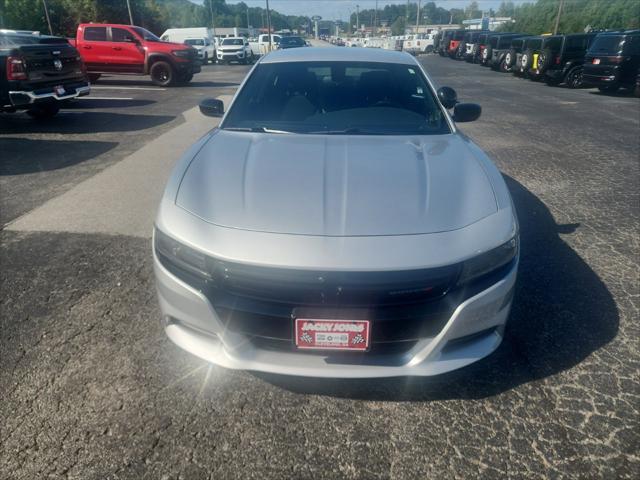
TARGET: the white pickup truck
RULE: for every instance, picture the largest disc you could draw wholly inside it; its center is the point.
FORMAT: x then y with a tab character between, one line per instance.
417	44
234	49
260	46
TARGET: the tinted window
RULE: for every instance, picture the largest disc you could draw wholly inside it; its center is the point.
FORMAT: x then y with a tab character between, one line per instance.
493	41
337	97
194	41
146	34
552	43
233	41
632	45
293	41
607	44
576	44
534	43
95	34
458	35
121	35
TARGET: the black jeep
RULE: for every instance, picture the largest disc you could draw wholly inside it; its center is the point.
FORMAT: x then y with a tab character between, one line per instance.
477	47
613	61
498	48
445	38
528	58
39	73
562	58
468	42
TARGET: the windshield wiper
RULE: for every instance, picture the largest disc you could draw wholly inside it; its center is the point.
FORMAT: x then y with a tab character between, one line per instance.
255	129
346	131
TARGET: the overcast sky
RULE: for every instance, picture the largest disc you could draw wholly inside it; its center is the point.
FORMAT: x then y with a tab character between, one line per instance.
340	9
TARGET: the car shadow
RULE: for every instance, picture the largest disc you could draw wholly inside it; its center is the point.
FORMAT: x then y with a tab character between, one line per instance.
24	155
622	93
81	122
562	312
149	84
87	103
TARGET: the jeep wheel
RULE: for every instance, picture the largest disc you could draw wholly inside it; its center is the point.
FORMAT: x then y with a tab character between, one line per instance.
93	77
44	111
162	74
573	79
543	60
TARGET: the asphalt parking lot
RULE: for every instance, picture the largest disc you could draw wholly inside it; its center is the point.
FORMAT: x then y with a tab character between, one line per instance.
91	388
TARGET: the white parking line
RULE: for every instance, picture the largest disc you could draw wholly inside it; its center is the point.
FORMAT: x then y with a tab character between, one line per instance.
107	98
106	87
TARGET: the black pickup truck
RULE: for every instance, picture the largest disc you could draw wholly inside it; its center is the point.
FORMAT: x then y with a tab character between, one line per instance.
39	73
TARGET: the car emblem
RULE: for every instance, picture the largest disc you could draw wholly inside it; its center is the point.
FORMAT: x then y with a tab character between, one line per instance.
57	64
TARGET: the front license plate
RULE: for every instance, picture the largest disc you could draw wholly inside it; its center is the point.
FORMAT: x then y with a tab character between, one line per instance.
316	334
59	90
596	61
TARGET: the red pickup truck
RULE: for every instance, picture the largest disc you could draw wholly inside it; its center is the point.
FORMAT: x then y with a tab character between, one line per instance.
126	49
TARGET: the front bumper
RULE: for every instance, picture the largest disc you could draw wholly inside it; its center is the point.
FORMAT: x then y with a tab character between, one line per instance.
24	98
473	331
230	56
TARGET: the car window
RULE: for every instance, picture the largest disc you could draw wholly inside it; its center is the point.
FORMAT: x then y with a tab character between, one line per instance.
233	41
95	34
146	34
194	41
607	44
337	97
292	41
552	43
121	35
576	44
632	45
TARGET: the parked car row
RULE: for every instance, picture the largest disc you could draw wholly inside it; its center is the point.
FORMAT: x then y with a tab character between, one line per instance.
606	60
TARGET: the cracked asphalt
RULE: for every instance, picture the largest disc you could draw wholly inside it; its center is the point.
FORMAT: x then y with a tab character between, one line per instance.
90	388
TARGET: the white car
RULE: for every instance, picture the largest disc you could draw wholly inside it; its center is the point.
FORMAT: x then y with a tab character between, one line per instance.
205	47
337	224
234	49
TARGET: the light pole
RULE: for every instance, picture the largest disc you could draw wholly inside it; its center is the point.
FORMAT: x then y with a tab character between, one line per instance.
130	16
375	20
555	28
269	24
418	18
46	14
357	17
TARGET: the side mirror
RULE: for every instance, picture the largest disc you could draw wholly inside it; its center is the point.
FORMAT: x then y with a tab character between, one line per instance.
466	112
448	97
212	107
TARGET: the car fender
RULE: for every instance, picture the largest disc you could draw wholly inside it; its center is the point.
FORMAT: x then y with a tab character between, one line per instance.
570	64
155	56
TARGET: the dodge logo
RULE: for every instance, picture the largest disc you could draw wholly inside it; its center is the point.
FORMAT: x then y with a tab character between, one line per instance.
57	64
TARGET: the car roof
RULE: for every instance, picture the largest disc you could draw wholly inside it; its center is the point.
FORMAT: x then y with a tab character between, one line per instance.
336	54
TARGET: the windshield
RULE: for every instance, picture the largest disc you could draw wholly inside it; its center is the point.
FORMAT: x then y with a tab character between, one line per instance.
552	43
533	43
337	98
194	41
233	41
146	34
607	44
292	41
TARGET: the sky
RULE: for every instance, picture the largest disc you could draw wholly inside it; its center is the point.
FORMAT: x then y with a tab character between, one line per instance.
341	9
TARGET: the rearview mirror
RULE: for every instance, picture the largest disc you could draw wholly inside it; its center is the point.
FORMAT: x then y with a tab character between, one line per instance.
212	107
466	112
448	97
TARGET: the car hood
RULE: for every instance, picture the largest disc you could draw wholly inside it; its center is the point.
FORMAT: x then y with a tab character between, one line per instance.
230	47
336	185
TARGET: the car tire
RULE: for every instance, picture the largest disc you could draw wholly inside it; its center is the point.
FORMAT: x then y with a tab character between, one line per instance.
527	60
543	60
573	78
44	111
93	77
205	60
486	55
162	74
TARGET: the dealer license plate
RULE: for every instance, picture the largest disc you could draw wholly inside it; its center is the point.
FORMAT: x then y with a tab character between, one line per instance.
324	334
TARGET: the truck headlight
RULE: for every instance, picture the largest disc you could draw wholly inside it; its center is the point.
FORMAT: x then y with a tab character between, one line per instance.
489	261
177	256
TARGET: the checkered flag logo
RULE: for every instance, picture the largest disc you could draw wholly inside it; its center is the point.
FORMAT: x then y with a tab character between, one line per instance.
357	339
306	338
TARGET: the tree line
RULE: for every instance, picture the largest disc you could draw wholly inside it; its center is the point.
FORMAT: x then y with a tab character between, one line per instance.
155	15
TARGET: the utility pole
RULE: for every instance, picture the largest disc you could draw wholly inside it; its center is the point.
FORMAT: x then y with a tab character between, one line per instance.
357	17
418	18
46	14
375	20
269	24
247	17
555	28
406	18
130	16
213	23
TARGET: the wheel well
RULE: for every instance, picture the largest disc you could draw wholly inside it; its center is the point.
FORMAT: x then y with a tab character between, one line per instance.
157	58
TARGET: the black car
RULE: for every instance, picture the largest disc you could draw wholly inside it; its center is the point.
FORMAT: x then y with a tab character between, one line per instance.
468	41
445	38
527	60
291	42
499	48
613	61
562	58
39	73
478	47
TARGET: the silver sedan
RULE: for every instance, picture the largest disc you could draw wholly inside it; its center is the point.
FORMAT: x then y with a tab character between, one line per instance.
337	224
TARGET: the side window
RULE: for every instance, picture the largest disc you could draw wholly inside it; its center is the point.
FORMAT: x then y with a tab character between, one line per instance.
95	34
121	35
633	45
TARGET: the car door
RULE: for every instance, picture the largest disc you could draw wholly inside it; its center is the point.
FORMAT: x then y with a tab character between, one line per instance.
95	49
126	51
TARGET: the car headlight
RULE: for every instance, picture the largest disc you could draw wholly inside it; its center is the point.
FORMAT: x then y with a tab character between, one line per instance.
180	256
181	53
489	261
